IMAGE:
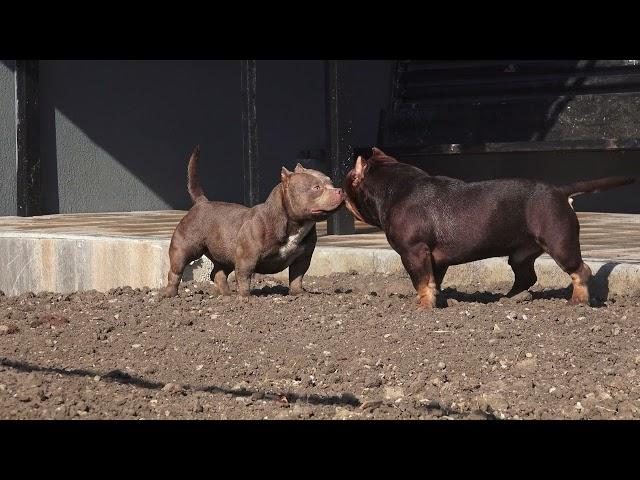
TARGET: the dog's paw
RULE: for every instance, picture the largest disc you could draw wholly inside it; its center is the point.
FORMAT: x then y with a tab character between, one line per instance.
169	292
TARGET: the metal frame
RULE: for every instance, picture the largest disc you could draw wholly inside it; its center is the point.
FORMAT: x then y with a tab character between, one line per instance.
339	139
27	138
250	171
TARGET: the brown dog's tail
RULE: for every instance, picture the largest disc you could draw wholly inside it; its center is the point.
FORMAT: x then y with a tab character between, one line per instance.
592	186
193	180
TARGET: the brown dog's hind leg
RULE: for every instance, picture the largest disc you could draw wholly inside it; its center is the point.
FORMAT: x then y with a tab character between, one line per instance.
563	245
418	263
177	261
580	280
522	263
219	276
179	256
439	272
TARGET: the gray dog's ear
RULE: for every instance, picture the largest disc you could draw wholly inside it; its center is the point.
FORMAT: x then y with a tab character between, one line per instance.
285	174
299	168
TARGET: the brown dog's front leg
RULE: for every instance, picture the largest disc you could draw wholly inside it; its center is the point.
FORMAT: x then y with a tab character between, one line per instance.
299	267
417	261
244	272
296	272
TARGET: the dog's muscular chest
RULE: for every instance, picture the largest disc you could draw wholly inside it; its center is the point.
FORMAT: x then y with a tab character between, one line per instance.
294	240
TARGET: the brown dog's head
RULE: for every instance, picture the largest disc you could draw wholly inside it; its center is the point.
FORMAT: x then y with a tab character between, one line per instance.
309	194
354	184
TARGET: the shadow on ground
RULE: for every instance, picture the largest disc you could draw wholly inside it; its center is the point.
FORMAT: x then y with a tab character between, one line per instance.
126	379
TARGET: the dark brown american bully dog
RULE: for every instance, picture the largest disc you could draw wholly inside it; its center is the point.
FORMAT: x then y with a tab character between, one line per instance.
267	238
434	222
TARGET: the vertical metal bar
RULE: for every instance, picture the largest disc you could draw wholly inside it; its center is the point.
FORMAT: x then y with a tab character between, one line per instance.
27	138
250	169
339	134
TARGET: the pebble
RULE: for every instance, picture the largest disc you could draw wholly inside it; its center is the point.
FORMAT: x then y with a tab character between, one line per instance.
393	393
371	404
442	365
372	381
8	329
522	297
172	387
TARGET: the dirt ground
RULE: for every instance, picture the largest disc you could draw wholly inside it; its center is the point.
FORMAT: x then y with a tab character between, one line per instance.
352	347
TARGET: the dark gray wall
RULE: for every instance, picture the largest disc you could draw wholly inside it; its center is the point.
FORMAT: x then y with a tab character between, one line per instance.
116	135
7	139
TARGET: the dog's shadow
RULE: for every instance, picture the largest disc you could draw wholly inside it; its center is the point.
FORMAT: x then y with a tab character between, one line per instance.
465	297
598	297
270	290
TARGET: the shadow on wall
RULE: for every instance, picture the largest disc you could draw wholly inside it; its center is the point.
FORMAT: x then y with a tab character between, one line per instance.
117	135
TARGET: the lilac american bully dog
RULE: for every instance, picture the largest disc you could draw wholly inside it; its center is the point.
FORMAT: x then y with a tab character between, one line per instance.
267	238
434	222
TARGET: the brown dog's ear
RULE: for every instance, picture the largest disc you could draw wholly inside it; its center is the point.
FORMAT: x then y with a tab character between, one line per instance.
381	156
299	169
358	171
378	153
285	174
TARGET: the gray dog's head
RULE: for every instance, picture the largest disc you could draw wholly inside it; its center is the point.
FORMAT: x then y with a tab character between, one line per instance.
309	194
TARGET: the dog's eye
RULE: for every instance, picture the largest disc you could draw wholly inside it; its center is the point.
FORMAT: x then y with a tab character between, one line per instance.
317	187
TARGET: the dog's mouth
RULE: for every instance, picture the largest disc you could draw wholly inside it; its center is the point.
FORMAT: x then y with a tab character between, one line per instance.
323	211
327	211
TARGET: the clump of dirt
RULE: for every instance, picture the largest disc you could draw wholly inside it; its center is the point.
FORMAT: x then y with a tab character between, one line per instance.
351	347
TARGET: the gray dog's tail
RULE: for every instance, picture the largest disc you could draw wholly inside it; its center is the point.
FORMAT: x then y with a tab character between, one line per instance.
193	180
592	186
